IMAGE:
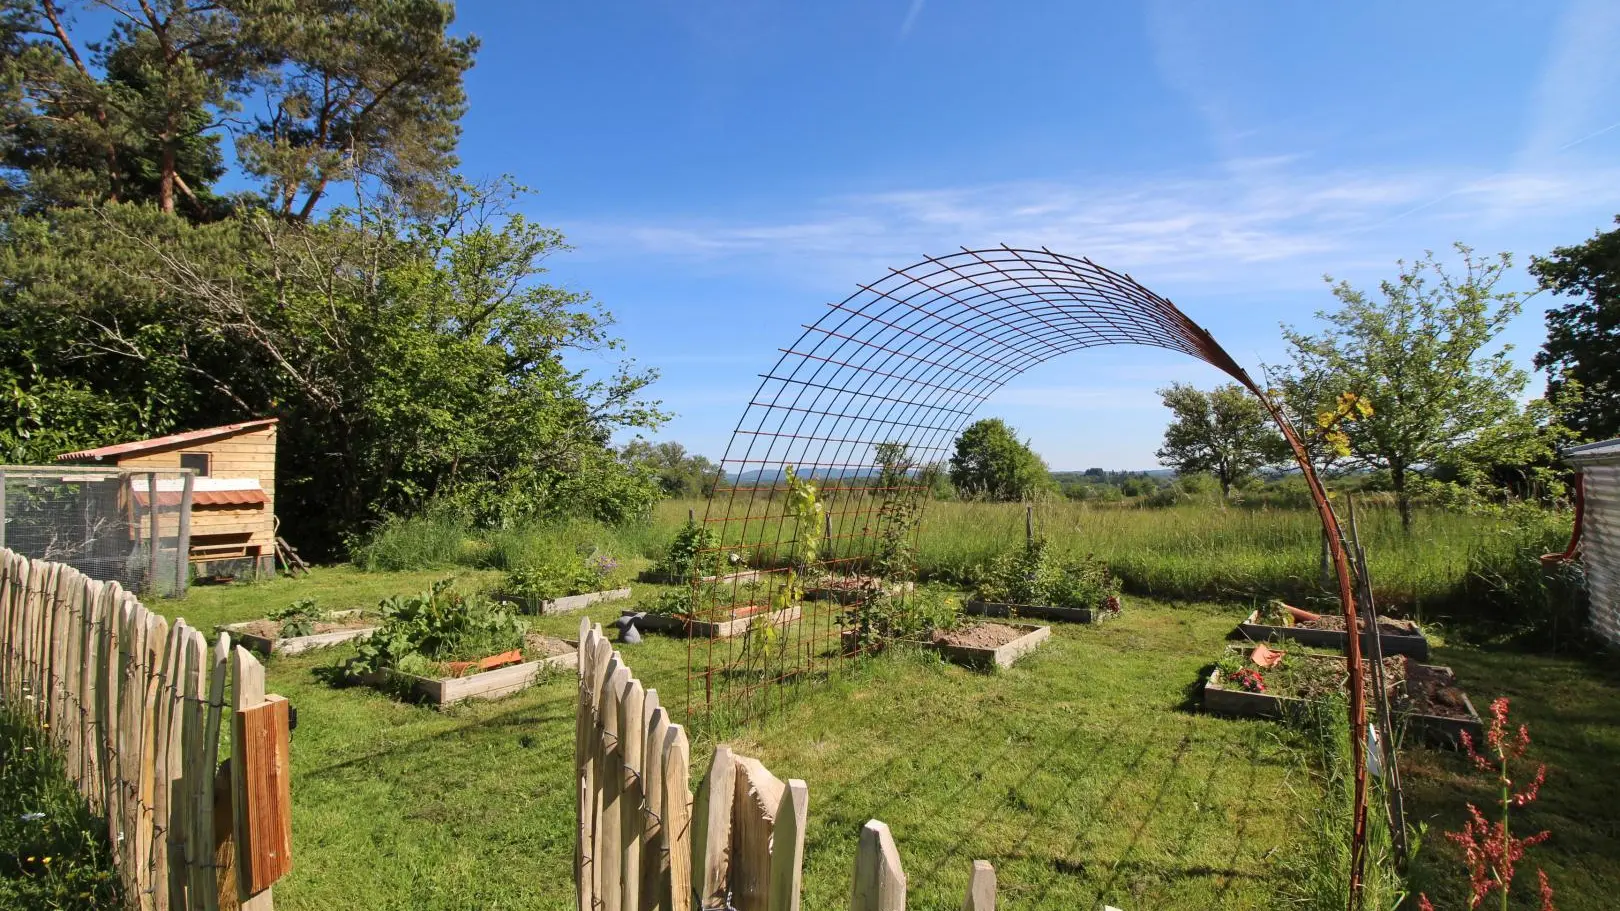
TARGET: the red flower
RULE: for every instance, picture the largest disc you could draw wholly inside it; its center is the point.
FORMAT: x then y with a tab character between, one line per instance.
1490	851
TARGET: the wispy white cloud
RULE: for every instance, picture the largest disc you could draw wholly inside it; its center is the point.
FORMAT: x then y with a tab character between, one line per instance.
912	12
1575	100
1277	225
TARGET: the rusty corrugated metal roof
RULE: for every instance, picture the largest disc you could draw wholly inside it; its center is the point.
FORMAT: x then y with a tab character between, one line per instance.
102	453
207	497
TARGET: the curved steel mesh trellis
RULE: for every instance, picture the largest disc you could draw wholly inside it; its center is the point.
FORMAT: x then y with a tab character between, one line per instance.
905	361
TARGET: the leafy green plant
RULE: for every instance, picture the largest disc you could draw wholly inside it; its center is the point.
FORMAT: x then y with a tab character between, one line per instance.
299	619
552	576
1035	574
692	554
54	851
440	624
882	614
809	517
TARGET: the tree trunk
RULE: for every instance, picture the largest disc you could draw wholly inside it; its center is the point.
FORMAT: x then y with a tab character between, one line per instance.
166	178
1403	500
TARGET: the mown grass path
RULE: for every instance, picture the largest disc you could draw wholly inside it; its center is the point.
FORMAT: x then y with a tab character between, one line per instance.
1081	773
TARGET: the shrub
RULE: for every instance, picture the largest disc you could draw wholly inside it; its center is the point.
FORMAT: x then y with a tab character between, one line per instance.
692	554
1035	574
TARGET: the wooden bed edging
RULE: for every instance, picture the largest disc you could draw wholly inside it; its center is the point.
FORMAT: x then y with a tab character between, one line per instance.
502	681
1038	611
704	629
295	645
1415	645
747	575
566	604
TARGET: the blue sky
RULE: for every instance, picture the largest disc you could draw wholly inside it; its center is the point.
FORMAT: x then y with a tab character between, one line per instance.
724	169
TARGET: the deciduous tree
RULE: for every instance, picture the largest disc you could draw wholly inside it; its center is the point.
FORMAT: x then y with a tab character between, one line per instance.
1582	351
1422	355
991	463
1225	431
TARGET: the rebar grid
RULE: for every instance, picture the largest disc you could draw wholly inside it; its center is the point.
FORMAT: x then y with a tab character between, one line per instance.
908	360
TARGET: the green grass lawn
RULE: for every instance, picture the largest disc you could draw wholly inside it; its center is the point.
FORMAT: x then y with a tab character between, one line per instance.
1080	773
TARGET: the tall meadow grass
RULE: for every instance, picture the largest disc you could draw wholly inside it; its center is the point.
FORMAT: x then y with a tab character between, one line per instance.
1470	565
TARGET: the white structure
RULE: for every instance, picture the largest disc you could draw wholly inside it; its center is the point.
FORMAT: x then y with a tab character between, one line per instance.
1599	465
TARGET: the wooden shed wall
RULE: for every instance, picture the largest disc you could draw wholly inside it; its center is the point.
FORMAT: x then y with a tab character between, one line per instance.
251	454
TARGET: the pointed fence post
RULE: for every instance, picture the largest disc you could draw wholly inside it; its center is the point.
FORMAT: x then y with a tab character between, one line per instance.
711	834
609	844
677	813
758	799
787	847
654	862
981	894
880	883
631	820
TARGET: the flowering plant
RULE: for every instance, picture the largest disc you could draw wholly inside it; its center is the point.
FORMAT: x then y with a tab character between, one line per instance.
1490	849
1249	680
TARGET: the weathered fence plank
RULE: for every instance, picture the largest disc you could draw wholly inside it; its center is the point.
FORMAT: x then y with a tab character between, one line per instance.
676	810
981	893
133	707
880	883
787	846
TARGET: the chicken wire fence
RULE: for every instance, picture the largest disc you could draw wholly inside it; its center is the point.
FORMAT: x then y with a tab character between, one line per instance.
113	524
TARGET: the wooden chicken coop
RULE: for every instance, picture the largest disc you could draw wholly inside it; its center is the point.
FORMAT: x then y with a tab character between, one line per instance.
232	523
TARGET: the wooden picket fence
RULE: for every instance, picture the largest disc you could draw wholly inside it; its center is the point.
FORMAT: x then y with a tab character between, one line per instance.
135	706
645	843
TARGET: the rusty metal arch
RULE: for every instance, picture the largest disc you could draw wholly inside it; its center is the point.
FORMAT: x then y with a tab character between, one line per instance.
909	359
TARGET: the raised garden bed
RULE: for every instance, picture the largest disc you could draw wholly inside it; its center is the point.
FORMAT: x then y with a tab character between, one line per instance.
1436	709
1398	637
658	578
565	604
725	625
501	675
987	644
264	636
1042	611
1424	697
849	589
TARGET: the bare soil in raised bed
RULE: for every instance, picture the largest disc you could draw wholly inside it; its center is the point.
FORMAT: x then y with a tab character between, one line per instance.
1433	691
536	646
271	629
979	635
1387	626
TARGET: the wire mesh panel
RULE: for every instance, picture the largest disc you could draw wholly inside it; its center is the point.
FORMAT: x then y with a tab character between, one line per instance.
112	524
818	505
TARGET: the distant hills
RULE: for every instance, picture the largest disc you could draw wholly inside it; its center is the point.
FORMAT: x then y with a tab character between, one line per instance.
776	475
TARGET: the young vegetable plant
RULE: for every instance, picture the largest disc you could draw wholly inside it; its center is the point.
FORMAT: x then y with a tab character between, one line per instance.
438	625
299	619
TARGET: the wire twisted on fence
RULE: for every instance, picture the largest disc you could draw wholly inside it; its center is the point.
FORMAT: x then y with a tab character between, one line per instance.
867	402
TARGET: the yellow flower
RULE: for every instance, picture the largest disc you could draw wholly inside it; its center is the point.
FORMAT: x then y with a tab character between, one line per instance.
47	860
